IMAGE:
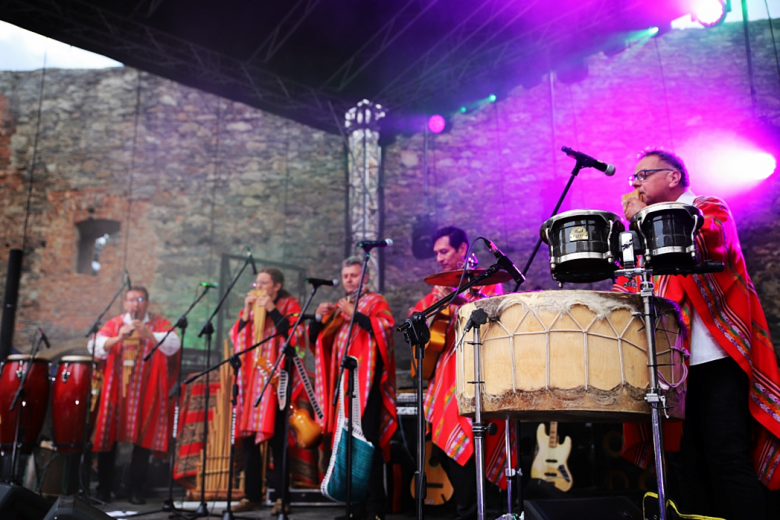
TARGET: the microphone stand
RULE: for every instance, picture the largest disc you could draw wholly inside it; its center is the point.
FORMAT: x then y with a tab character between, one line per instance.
235	362
208	330
168	504
288	354
20	395
86	445
575	171
417	334
349	364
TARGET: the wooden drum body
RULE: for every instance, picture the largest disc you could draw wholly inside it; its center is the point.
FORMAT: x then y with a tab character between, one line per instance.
570	356
74	381
35	402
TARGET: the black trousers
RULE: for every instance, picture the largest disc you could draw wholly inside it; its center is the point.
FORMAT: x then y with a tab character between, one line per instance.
376	502
139	466
253	463
715	472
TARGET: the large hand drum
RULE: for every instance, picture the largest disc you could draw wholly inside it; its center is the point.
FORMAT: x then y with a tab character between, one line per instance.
570	356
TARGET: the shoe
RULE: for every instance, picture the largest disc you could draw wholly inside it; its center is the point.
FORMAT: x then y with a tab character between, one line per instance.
277	509
246	505
137	498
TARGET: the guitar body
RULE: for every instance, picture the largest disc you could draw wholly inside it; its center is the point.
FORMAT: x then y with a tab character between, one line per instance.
550	463
435	346
439	486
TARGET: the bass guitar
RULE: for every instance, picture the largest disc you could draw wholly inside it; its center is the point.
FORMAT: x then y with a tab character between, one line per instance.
550	463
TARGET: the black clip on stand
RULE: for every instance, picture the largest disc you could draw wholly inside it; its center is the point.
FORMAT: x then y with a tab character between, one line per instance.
208	330
417	334
235	362
20	395
181	323
84	467
285	361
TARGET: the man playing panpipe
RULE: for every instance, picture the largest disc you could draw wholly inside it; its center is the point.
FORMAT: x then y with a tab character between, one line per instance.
134	405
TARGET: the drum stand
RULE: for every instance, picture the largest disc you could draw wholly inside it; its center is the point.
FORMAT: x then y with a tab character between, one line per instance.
416	333
181	323
512	473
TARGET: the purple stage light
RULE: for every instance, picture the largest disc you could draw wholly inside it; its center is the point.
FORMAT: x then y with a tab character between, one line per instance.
436	124
709	12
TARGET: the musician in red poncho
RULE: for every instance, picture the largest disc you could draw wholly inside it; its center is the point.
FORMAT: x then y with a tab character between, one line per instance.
729	444
451	433
372	345
268	309
134	404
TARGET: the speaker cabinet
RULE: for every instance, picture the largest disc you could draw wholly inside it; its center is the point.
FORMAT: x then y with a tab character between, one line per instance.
601	508
19	503
73	508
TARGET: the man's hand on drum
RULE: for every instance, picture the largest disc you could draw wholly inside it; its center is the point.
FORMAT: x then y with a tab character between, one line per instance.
632	206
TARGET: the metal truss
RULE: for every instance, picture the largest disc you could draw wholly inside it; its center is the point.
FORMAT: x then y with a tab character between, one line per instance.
139	45
274	41
364	162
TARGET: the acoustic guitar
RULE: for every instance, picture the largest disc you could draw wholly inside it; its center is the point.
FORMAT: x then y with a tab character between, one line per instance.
438	327
438	483
550	463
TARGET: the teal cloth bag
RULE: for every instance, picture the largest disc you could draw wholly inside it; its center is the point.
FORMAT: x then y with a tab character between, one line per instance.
334	485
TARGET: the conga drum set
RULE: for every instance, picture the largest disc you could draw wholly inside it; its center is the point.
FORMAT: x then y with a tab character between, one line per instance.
22	417
575	355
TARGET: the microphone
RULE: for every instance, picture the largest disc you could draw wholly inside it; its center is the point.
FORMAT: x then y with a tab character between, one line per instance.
504	262
589	162
368	245
209	285
127	277
44	338
317	282
251	260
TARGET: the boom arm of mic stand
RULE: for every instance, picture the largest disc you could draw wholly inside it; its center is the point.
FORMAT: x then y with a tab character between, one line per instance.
96	326
208	325
576	170
286	344
182	317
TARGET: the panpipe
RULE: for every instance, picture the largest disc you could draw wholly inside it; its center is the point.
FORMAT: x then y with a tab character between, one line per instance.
130	350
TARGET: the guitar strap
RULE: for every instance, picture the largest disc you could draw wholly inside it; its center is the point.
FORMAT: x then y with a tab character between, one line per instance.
309	390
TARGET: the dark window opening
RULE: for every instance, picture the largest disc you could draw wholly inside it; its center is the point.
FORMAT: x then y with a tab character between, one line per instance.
94	234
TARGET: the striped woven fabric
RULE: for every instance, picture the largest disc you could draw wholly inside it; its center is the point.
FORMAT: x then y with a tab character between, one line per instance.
729	306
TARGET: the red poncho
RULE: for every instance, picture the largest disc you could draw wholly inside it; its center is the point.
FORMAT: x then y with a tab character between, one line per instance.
260	420
728	305
144	416
449	430
365	346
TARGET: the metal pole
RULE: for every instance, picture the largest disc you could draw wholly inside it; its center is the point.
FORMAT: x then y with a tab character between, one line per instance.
478	428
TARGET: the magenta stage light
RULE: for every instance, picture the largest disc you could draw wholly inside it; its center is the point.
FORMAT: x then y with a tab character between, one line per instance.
709	12
436	124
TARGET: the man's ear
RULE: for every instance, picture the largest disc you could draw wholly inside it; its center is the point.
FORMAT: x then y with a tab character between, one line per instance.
674	178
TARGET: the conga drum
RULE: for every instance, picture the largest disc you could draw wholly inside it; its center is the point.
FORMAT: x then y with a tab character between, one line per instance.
33	406
570	356
72	385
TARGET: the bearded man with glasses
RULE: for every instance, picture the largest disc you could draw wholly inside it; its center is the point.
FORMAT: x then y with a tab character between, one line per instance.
729	444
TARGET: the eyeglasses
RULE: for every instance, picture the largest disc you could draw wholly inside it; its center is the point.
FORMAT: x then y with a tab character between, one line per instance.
131	300
642	175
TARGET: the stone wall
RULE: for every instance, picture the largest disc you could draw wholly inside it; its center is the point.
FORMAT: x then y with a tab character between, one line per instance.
196	178
498	169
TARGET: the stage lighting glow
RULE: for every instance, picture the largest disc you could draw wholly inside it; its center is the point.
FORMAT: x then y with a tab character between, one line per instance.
652	31
462	110
436	124
709	12
492	98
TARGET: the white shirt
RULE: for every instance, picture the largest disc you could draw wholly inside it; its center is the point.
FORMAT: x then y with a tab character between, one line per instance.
704	348
169	347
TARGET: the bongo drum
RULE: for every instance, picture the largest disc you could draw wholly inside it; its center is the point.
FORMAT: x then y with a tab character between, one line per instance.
667	232
570	356
33	406
584	245
72	385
